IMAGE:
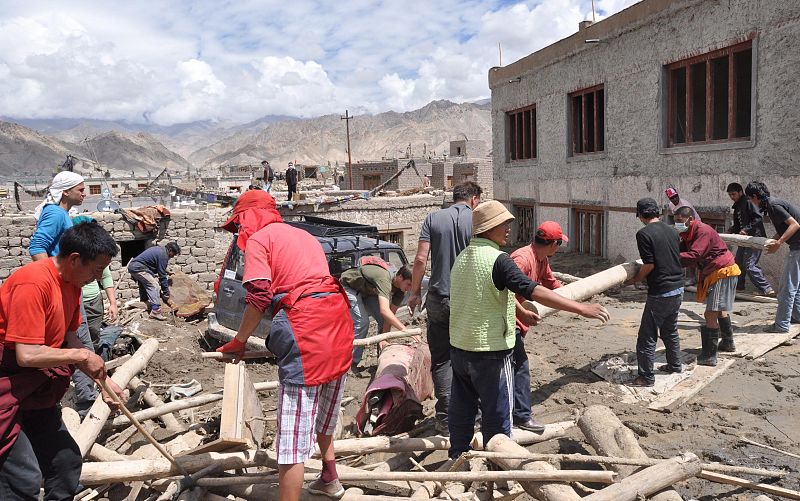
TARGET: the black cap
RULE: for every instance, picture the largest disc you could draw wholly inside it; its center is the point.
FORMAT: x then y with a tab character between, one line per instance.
647	207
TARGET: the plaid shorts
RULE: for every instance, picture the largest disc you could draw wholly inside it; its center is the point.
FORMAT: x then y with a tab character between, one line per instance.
304	411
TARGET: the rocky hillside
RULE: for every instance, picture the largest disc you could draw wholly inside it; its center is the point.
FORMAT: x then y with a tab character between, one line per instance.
122	148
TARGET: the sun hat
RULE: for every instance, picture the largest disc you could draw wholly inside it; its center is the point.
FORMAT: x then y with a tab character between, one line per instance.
489	214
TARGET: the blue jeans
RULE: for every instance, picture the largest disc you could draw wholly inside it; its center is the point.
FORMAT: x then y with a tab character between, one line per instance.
361	309
522	381
480	379
438	334
660	316
85	393
789	293
148	286
747	259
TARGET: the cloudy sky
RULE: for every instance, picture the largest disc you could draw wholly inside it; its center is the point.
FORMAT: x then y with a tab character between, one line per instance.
175	62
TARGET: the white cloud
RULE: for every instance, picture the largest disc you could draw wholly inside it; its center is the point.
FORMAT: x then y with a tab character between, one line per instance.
205	59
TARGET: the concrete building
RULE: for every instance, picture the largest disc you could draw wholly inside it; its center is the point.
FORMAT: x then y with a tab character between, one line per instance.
691	94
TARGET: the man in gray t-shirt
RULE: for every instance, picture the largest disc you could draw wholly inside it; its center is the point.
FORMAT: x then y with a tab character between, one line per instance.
445	233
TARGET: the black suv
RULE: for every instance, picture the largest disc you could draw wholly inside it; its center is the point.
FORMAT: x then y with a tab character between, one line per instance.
344	244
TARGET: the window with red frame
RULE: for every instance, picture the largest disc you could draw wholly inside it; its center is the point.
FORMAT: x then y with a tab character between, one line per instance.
587	120
522	133
709	97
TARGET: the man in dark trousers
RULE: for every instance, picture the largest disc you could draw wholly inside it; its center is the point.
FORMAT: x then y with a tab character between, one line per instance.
661	266
786	219
718	274
39	349
291	180
149	270
269	176
444	234
747	220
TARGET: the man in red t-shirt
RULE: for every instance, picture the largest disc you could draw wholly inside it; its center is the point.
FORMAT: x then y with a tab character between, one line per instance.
311	336
533	261
39	347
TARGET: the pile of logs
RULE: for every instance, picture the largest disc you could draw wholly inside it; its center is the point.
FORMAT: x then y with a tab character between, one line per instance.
504	470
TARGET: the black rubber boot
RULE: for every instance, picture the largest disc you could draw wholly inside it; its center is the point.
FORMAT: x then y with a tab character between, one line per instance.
726	343
708	354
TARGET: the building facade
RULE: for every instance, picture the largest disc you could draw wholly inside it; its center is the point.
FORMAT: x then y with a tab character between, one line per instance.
690	94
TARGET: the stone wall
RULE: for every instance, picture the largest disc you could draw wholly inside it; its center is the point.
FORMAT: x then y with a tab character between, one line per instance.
629	61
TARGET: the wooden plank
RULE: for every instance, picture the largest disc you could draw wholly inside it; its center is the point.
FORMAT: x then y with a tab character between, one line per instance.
757	344
252	412
219	445
241	407
231	402
689	387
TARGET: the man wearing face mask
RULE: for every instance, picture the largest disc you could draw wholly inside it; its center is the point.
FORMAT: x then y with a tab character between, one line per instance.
661	267
702	247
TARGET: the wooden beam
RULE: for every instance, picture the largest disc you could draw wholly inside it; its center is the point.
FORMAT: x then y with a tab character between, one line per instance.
650	480
759	243
587	287
93	423
150	398
680	393
241	408
749	484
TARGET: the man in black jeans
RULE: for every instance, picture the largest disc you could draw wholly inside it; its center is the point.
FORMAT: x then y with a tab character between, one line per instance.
445	233
659	249
747	220
291	180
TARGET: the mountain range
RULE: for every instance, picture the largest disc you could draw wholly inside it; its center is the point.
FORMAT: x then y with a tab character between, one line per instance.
35	148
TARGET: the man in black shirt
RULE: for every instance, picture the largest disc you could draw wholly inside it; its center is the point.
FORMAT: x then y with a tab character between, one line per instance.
659	249
785	217
291	180
747	220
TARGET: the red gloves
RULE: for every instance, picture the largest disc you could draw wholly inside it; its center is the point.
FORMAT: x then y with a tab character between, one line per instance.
234	346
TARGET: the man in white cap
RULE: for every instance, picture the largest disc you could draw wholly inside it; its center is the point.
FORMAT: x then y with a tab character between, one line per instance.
66	191
484	280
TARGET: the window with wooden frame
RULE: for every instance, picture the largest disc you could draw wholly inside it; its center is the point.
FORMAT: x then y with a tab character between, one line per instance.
716	220
709	97
526	223
371	181
589	230
588	120
521	133
94	189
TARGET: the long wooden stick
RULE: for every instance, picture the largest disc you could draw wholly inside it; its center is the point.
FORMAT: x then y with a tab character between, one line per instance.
650	480
416	331
605	477
763	446
584	458
164	452
741	482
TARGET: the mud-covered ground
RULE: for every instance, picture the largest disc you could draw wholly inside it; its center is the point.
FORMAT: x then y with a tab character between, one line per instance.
758	399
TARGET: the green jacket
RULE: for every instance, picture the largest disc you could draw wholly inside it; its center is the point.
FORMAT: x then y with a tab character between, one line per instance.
481	317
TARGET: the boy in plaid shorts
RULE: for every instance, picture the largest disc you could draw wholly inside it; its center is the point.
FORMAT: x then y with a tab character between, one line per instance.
311	336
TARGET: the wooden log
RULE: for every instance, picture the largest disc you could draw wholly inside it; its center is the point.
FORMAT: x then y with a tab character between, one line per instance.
186	403
371	445
585	458
606	433
749	484
650	480
416	331
215	355
93	423
759	243
97	453
148	469
224	335
590	286
150	398
544	491
355	475
113	364
565	278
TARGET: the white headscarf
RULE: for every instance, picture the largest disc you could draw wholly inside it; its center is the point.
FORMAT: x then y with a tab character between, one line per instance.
64	180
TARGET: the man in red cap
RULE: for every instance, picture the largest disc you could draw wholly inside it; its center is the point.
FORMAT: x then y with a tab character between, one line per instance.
533	261
311	336
676	202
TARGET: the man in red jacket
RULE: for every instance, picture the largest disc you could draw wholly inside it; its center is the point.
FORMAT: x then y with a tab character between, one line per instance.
702	247
311	336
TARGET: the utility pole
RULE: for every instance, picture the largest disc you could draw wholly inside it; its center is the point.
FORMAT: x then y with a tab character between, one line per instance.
347	117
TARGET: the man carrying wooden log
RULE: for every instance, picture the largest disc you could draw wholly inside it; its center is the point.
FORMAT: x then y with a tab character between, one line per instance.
311	336
39	349
747	220
445	233
533	261
786	219
661	267
482	335
718	274
374	290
